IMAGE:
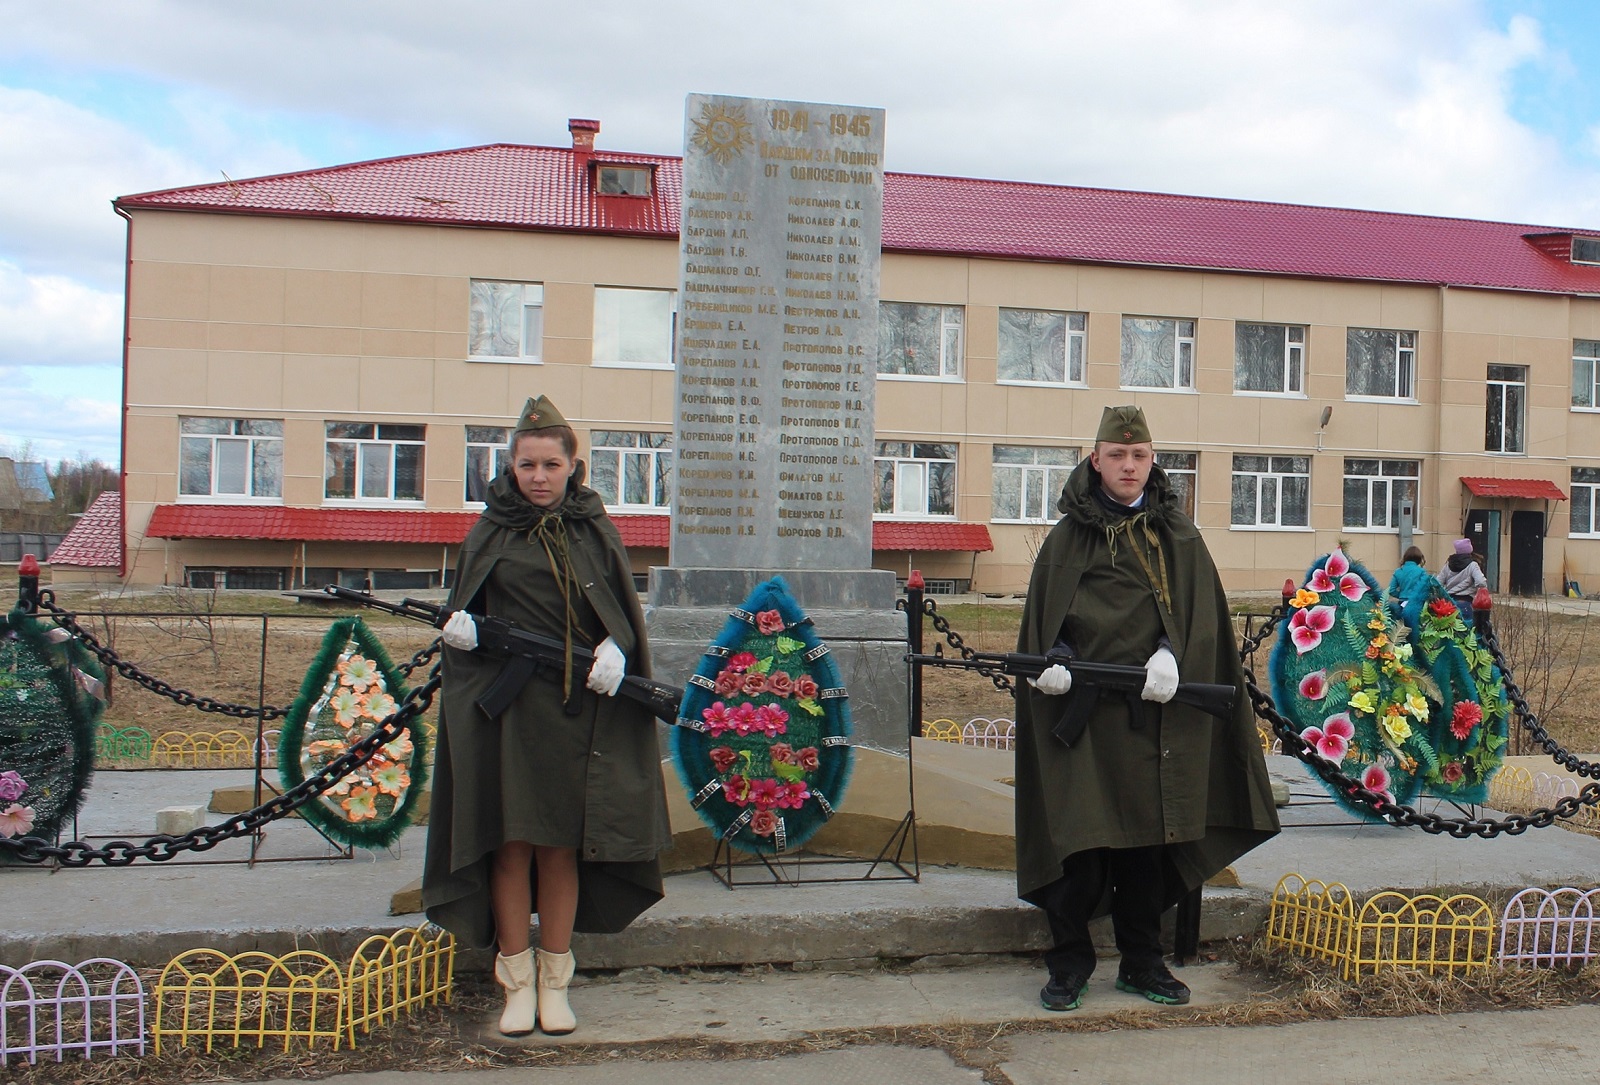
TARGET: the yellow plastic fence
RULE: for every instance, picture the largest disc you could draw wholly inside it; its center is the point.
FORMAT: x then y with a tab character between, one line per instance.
202	749
403	971
1390	930
942	730
208	996
1511	789
1519	791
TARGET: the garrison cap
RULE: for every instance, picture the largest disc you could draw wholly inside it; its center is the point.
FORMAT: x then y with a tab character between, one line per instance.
1123	426
538	414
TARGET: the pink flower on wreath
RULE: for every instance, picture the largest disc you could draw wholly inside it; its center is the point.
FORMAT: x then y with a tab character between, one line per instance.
1466	716
764	823
764	793
717	719
12	785
793	796
805	687
745	719
730	682
769	622
1314	686
781	752
736	789
772	720
16	820
1352	587
1331	747
808	758
779	684
1329	577
1376	778
741	661
722	758
754	683
1452	773
1308	625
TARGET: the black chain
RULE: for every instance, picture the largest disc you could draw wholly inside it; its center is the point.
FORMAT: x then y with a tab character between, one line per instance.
1400	814
942	624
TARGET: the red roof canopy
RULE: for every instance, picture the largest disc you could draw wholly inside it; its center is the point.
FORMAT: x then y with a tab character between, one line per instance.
1536	488
95	541
929	535
550	188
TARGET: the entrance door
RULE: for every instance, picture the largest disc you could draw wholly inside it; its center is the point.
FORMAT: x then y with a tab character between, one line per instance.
1483	528
1527	553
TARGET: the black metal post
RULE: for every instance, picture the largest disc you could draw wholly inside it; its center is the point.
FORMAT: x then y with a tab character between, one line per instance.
914	618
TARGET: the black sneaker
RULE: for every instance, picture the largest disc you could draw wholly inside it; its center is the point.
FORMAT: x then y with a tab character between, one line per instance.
1154	982
1064	991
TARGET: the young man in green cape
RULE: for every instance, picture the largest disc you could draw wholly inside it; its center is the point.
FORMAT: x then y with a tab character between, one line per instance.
1153	797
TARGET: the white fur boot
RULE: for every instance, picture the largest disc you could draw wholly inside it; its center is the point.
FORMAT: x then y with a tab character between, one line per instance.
555	972
515	974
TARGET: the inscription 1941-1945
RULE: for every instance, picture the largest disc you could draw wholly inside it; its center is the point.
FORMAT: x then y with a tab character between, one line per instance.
781	237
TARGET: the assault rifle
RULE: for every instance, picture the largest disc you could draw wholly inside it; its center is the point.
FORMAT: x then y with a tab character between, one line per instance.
1090	682
525	653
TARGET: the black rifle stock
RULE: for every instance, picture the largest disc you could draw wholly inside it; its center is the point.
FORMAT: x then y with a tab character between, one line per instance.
1090	681
525	653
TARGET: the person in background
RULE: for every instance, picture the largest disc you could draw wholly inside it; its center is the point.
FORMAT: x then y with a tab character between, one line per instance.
556	806
1408	588
1153	797
1462	576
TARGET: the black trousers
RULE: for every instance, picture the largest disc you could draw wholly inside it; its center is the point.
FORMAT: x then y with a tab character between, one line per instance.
1136	879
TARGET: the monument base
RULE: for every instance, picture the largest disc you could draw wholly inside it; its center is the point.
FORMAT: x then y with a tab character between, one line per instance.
852	610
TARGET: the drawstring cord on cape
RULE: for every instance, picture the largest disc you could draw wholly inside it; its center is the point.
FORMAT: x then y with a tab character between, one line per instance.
549	531
1156	577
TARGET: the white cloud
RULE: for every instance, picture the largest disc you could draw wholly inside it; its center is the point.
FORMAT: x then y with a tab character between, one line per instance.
55	320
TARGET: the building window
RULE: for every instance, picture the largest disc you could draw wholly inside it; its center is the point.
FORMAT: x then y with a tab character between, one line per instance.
914	479
1182	469
488	454
246	579
1585	501
1269	358
1505	423
1157	352
1380	363
1375	489
634	327
230	457
1041	347
1586	373
1028	480
1586	250
623	180
919	340
1271	491
368	461
506	320
631	470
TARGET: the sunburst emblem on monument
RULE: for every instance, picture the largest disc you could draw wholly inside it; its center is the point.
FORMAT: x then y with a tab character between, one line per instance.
722	132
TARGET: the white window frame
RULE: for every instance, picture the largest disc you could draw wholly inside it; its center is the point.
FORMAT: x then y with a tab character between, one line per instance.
617	169
1589	246
1586	374
1074	349
608	351
952	343
1381	491
490	305
1040	482
1401	350
493	445
1183	353
910	461
657	463
1187	467
1589	483
376	449
1500	391
1275	473
237	438
1292	377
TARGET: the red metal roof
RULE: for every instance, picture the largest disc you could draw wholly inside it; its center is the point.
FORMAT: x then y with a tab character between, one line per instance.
929	535
643	531
95	541
1537	488
550	188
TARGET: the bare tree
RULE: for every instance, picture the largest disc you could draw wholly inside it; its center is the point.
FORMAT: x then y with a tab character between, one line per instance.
1544	649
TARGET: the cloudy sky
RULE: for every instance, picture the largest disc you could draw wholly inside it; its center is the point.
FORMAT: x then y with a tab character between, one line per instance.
1476	108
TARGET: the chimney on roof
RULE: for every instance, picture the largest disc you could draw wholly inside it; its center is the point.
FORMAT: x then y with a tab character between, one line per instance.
583	133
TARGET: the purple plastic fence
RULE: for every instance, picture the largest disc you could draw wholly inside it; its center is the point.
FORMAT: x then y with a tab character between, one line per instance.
1549	927
51	1007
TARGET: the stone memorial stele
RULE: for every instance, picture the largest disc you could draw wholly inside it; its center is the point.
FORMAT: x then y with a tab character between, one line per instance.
780	240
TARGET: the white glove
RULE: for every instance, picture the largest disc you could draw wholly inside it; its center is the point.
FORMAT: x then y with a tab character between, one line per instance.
1160	676
609	667
1054	680
460	631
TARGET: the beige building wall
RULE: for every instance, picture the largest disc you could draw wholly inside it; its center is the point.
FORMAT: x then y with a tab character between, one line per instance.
311	321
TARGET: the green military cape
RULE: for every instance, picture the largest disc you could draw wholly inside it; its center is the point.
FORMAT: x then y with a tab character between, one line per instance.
1179	778
618	786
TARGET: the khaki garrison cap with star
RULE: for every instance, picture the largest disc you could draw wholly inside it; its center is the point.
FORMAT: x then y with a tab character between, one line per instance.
538	414
1123	426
